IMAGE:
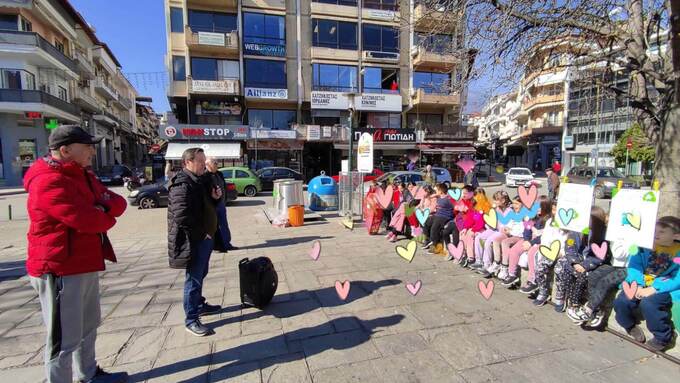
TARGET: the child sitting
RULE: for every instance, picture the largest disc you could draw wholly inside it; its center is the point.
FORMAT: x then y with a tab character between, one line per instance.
514	231
468	222
482	203
443	214
532	241
399	224
658	277
544	265
483	253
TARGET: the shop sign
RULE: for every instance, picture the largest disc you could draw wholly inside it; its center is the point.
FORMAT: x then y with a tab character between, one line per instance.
387	135
52	124
569	142
329	100
327	132
313	132
381	14
280	94
211	132
217	108
275	145
264	50
365	153
33	115
209	38
379	102
267	133
217	87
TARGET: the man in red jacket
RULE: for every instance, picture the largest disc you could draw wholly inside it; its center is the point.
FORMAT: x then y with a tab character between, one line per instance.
70	213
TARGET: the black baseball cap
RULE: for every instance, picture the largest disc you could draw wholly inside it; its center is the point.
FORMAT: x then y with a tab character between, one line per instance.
70	134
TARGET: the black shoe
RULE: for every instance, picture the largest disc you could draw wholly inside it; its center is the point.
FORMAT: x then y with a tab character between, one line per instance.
101	376
476	267
197	328
656	345
232	248
533	294
597	321
207	309
529	288
485	274
541	300
510	281
637	334
427	245
560	307
463	261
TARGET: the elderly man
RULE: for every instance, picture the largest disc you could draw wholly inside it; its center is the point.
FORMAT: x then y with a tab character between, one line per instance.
223	238
192	223
70	213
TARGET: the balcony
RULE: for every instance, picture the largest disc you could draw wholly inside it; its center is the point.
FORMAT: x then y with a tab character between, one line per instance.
381	57
83	99
84	66
542	100
225	87
343	9
428	60
212	42
40	52
39	97
447	133
435	99
125	102
440	19
214	4
321	133
106	90
543	127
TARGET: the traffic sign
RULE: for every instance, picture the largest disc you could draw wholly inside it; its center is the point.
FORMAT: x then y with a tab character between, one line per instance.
629	143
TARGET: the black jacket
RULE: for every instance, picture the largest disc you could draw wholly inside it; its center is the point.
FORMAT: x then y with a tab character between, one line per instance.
186	224
217	179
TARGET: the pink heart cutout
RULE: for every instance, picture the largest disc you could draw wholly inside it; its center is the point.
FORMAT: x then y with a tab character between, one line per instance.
600	251
315	251
414	288
456	251
677	260
342	289
417	231
385	197
466	165
486	289
527	198
630	289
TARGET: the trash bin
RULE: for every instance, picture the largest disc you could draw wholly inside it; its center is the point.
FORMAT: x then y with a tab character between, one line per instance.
290	194
296	215
276	192
323	193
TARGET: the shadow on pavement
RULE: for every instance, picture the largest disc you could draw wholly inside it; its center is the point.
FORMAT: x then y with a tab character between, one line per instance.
245	202
12	270
284	242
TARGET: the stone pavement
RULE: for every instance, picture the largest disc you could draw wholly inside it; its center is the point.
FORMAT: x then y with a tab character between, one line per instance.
381	333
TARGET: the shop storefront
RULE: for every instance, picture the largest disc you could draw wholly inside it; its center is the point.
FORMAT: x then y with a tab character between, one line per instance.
543	150
268	148
391	147
221	142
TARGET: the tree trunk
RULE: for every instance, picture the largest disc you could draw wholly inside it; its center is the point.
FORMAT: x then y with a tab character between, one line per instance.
667	164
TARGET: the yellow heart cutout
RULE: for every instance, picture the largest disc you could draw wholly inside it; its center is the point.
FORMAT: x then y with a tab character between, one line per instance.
491	219
552	251
348	223
634	220
407	252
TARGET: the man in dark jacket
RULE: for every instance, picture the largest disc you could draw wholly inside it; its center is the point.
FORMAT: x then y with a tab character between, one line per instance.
192	223
553	184
223	235
70	213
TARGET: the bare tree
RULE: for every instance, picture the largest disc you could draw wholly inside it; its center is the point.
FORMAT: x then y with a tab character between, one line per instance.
640	36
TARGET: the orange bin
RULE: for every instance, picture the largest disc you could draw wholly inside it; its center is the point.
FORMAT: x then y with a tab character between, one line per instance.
296	215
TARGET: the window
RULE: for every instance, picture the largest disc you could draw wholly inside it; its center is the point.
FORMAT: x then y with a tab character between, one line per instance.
202	21
380	38
437	43
242	174
9	22
266	74
26	25
213	69
338	2
264	29
334	34
227	173
59	45
388	5
381	120
273	119
282	173
334	78
435	83
176	20
63	94
266	173
179	72
381	80
424	120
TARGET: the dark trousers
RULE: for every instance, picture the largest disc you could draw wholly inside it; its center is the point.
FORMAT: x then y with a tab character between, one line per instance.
433	228
450	229
223	225
195	274
655	310
602	282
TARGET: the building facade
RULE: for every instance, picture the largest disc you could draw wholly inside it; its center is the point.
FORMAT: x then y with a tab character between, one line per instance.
296	72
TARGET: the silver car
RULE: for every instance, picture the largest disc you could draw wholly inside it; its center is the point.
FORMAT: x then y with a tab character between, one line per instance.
518	176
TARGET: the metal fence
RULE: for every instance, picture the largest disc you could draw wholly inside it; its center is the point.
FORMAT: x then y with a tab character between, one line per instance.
350	184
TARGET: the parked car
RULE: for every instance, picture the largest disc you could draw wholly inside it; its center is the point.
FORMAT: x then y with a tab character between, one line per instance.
607	179
113	175
405	177
442	175
368	177
156	195
269	175
246	181
518	176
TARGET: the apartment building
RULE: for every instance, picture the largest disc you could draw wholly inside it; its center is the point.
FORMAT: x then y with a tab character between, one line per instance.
283	80
54	70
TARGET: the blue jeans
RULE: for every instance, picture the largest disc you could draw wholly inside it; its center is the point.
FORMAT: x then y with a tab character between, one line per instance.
196	272
223	225
655	309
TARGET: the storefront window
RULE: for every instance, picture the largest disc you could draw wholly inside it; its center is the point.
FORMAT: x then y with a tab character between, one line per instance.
338	2
380	38
381	80
264	29
334	78
213	69
334	34
434	83
202	21
271	119
265	74
381	120
387	5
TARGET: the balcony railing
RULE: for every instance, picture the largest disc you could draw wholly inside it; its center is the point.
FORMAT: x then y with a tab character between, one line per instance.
439	132
423	96
217	39
124	101
82	97
105	89
83	62
542	99
38	97
34	39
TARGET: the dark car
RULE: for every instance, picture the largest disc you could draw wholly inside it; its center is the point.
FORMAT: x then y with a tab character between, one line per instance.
113	175
607	179
269	175
156	195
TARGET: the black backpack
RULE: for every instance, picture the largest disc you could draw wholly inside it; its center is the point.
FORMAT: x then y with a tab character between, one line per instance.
258	281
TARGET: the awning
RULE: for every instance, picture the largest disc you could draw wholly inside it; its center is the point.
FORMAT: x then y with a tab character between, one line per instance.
379	146
454	149
214	150
522	141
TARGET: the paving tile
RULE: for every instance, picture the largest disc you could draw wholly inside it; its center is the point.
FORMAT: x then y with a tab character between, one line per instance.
336	349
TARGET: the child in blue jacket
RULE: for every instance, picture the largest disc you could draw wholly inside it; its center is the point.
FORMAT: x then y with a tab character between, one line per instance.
658	280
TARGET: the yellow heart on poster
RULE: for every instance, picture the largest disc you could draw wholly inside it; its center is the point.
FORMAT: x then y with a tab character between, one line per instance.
491	218
634	220
407	252
552	251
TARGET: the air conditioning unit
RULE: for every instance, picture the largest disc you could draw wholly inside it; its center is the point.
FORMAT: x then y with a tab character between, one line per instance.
84	83
381	56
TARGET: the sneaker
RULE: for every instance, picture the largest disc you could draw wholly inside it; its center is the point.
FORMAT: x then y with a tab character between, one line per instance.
494	268
427	245
637	334
101	376
389	234
463	261
529	288
449	257
486	274
656	345
207	309
393	238
596	321
197	328
503	273
577	315
533	295
431	251
476	267
560	306
510	281
541	300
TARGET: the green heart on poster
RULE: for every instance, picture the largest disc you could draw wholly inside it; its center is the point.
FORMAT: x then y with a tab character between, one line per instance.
649	197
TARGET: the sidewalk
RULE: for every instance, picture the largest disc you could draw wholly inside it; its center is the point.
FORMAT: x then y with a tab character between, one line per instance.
11	190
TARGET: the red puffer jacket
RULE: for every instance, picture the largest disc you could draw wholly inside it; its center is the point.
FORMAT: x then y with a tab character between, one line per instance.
66	232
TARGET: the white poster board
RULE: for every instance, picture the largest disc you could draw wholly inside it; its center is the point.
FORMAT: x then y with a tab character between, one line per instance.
632	217
365	153
573	207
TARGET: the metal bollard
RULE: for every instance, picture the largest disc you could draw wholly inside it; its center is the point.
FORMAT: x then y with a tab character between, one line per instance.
9	211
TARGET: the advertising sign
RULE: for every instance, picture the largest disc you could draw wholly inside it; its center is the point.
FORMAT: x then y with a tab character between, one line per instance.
329	100
568	142
216	87
379	102
217	108
387	135
365	153
209	38
264	50
381	14
204	132
313	132
267	133
280	94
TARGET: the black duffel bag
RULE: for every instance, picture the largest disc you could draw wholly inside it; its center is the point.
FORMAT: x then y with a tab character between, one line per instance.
258	281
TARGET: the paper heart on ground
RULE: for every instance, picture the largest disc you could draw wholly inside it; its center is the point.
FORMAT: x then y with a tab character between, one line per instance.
551	252
527	197
600	251
466	165
348	222
566	215
315	251
455	193
407	252
385	197
486	289
630	289
342	289
414	288
422	215
456	251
